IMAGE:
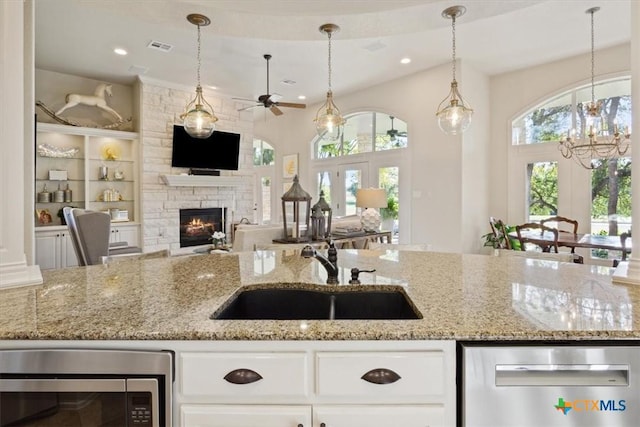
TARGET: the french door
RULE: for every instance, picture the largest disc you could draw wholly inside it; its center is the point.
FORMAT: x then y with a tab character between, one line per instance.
340	184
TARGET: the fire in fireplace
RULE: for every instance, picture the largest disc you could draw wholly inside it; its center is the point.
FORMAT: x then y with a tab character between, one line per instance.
197	225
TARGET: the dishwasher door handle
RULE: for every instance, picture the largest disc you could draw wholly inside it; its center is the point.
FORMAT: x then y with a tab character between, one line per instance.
562	375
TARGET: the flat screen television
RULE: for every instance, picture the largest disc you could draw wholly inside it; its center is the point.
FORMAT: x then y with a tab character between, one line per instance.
218	152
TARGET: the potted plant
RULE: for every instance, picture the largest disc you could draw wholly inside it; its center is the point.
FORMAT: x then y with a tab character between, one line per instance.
497	242
389	214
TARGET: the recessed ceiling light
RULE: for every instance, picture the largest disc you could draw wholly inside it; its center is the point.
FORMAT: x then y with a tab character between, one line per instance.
302	97
120	51
405	60
288	82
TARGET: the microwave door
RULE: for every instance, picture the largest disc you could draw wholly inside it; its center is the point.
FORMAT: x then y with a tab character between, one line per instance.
23	401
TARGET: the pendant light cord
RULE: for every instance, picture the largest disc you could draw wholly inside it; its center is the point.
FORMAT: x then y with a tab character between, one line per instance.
593	62
198	72
453	32
329	58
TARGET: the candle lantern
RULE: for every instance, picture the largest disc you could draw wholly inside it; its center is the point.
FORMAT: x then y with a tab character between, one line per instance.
291	211
325	209
318	231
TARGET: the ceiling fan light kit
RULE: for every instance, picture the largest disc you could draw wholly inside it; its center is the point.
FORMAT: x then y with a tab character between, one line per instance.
199	118
598	143
329	121
454	114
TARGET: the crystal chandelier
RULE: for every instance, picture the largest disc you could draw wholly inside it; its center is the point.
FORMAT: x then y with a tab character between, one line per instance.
329	121
199	119
454	115
599	144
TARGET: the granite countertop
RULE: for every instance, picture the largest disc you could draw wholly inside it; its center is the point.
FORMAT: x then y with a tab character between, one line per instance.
464	297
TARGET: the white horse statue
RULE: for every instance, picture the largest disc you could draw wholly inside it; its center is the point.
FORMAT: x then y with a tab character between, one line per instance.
97	100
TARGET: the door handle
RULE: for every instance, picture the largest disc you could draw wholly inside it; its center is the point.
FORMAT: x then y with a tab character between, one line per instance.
562	375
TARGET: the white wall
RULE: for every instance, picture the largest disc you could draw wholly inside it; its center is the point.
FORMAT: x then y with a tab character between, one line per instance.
435	191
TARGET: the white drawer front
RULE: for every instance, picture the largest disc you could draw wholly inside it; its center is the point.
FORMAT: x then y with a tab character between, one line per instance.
243	416
379	416
420	374
283	374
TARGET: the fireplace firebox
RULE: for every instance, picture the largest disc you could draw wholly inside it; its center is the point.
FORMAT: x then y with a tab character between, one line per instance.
197	225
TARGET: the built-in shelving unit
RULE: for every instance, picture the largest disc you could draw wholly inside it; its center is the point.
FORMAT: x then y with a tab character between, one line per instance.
101	169
201	180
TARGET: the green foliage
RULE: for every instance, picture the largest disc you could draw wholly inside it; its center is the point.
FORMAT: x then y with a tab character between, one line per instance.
391	211
543	188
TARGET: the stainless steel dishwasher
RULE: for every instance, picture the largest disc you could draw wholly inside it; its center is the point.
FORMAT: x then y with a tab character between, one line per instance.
550	385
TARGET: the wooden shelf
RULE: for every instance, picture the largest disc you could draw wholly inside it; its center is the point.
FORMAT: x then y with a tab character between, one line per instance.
201	180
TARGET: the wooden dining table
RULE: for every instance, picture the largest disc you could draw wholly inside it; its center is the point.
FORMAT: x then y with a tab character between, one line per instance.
570	240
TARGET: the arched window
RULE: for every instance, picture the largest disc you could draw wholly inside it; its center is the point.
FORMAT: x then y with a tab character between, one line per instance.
553	118
263	153
364	133
553	185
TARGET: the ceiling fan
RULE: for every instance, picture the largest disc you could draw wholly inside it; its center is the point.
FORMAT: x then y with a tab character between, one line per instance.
394	133
271	101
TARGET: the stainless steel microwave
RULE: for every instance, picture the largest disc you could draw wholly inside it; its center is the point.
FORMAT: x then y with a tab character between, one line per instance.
82	387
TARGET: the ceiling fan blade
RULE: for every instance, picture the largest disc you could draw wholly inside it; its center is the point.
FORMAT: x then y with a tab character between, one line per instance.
245	99
275	97
249	107
275	110
291	105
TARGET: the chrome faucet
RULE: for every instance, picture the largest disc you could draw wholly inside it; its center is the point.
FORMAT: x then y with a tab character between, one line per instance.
330	263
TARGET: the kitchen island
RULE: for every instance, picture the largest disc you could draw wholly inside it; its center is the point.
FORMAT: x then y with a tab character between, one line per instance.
167	304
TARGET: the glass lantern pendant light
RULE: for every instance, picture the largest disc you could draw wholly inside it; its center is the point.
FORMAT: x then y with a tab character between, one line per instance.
329	121
454	115
199	119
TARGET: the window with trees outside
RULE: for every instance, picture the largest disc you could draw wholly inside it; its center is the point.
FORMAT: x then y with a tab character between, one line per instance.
545	124
264	162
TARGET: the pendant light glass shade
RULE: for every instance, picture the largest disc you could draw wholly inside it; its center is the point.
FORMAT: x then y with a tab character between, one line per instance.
329	121
199	119
454	114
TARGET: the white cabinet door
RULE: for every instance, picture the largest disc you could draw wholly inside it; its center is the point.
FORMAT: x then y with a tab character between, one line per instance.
245	416
378	416
125	233
68	256
54	249
47	248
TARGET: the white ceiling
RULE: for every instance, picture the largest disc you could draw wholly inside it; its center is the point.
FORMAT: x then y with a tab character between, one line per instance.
78	37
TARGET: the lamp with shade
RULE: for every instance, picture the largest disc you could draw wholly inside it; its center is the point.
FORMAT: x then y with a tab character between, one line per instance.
371	199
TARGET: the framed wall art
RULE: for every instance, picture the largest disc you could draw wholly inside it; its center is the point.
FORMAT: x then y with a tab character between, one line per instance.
290	165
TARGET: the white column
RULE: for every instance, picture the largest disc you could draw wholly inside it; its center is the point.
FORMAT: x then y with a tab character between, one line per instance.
629	273
14	270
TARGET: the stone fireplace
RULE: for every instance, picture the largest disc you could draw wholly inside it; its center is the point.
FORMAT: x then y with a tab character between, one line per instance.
197	225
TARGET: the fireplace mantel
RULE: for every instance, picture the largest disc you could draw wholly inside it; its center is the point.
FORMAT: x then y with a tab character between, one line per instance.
201	180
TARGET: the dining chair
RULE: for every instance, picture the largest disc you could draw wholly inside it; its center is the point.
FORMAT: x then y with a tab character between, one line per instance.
90	234
564	225
623	242
499	231
533	233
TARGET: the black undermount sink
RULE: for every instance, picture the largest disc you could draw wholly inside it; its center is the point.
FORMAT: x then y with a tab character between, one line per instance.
330	304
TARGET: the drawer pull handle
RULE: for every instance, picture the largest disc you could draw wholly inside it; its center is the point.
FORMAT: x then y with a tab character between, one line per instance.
381	376
242	376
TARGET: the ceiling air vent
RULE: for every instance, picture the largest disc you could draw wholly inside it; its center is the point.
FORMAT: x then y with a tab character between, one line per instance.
164	47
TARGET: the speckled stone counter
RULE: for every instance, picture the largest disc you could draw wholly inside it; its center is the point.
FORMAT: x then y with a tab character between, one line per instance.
462	297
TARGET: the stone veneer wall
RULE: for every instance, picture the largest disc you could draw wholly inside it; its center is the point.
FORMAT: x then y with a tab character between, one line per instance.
160	204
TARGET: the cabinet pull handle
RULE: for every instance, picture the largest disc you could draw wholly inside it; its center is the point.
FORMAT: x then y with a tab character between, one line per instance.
381	376
242	376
